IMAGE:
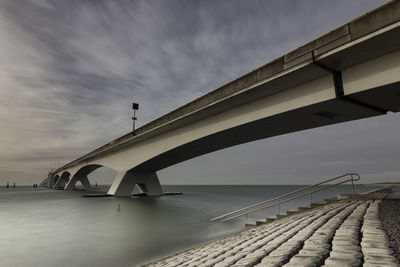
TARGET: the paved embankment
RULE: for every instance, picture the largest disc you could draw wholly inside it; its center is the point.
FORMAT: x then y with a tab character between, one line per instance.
342	233
389	214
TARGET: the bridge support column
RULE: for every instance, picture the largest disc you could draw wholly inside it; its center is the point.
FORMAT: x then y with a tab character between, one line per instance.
83	179
125	182
51	177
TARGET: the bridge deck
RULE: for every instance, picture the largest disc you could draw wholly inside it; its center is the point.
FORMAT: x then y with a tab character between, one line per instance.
287	71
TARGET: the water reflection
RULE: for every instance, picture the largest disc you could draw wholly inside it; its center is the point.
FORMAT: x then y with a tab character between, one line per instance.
50	228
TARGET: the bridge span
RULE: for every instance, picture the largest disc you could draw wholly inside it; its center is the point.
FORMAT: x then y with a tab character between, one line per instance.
350	73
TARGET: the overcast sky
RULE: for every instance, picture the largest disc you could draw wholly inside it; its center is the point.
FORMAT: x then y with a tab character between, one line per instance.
69	71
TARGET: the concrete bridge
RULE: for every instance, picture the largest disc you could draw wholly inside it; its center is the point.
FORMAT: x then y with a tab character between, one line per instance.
350	73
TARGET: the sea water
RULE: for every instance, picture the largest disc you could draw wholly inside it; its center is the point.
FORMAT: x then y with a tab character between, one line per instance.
42	227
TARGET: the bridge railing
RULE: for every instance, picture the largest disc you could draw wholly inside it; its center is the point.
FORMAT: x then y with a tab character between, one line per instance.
302	192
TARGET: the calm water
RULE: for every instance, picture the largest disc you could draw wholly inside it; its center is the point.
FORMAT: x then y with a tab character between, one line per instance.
42	227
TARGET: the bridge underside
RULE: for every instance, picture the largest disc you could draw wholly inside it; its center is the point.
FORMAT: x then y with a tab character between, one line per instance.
365	104
370	103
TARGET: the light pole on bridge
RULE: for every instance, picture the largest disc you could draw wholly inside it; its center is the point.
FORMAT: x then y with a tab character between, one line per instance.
135	106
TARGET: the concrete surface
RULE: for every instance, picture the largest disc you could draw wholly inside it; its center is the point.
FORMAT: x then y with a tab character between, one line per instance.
342	233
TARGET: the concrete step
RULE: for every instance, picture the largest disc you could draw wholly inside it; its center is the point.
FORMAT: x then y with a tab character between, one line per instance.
303	208
283	215
267	220
317	204
250	225
290	212
280	216
260	222
270	219
330	200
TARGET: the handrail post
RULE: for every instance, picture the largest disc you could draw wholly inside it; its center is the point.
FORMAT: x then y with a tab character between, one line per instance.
309	189
352	183
279	208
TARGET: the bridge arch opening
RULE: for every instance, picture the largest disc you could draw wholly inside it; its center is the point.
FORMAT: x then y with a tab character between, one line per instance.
82	176
145	182
102	177
61	180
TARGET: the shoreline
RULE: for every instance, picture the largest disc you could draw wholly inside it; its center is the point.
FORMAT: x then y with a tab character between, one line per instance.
260	246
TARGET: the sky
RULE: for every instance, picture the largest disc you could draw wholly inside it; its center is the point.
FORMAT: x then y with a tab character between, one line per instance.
70	70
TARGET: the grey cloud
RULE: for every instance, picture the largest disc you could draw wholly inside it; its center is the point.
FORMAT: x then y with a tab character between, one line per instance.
73	68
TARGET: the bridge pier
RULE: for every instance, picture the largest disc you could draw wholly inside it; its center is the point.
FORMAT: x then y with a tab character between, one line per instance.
125	182
51	177
62	181
83	179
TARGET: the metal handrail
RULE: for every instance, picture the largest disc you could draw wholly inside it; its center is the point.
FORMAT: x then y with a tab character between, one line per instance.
255	207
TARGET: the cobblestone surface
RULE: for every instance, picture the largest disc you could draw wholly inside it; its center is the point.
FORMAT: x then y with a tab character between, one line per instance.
342	233
389	214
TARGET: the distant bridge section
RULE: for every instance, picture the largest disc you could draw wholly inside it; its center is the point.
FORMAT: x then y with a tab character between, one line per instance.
350	73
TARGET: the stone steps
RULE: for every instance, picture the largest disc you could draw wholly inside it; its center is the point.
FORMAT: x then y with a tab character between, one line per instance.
238	246
280	237
288	213
340	233
378	194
